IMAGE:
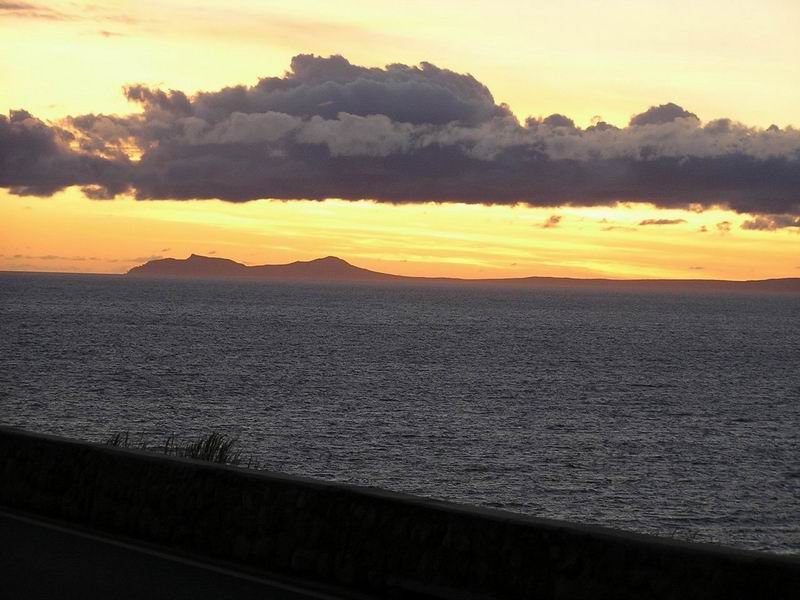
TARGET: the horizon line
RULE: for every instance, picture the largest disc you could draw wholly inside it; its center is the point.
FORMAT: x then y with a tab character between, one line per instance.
443	278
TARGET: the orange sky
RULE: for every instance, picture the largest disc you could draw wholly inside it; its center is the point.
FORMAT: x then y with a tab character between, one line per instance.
70	233
578	57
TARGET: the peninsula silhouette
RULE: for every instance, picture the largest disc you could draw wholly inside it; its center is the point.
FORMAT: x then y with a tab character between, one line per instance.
334	269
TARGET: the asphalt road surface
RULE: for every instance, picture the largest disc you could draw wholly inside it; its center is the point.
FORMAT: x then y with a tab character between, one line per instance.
45	561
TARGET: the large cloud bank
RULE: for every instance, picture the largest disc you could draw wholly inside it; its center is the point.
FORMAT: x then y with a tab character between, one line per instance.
331	129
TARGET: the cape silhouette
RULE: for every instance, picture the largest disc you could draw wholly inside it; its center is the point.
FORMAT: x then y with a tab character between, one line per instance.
333	269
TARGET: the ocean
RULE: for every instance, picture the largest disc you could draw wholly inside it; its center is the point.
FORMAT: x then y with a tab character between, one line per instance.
677	415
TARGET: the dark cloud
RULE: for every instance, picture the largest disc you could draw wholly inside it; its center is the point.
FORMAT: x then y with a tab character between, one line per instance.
36	159
659	115
331	129
600	125
772	223
722	126
559	121
662	222
325	87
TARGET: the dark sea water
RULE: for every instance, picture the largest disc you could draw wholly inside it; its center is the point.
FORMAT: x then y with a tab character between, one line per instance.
670	414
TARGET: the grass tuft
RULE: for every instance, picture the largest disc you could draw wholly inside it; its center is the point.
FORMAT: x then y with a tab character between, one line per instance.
214	447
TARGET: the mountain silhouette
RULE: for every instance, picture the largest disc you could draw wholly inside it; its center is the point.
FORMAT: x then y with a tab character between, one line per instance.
329	268
333	269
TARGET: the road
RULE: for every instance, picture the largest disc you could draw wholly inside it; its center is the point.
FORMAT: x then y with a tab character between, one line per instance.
44	561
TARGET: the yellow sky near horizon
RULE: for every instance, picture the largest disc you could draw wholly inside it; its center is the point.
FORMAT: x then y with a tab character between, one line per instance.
581	58
70	233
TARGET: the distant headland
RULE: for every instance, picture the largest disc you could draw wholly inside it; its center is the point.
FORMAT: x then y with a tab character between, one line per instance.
329	268
332	269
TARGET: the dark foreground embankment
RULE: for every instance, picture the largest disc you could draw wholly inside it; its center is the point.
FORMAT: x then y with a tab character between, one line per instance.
44	561
379	542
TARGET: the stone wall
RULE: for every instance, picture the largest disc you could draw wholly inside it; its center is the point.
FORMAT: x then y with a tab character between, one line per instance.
380	543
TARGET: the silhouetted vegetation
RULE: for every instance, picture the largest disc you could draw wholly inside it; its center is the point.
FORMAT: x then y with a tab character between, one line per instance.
214	447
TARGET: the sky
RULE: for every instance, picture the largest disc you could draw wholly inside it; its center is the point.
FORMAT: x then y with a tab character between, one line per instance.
476	139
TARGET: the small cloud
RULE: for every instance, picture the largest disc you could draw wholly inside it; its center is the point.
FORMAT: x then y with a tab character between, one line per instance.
771	223
212	252
166	249
662	222
145	258
25	10
724	226
96	192
696	268
108	34
551	222
618	228
48	257
703	229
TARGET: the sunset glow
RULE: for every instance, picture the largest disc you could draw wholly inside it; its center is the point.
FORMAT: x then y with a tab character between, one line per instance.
70	233
574	59
399	299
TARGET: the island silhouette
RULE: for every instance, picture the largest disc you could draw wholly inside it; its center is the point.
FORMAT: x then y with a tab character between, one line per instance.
331	269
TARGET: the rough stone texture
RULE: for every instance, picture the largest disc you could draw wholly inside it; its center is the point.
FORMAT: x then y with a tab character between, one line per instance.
386	544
